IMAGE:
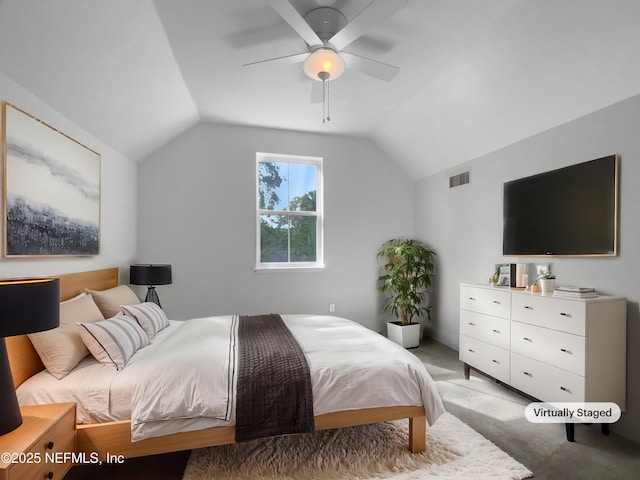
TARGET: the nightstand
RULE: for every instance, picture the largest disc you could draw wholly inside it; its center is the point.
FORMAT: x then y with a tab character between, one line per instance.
35	449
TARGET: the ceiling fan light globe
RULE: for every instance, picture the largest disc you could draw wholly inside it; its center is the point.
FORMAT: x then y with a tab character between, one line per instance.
324	60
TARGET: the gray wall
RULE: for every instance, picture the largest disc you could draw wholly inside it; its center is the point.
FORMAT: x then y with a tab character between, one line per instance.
464	225
197	212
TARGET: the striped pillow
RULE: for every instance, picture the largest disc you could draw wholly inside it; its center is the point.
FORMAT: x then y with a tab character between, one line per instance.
113	341
150	316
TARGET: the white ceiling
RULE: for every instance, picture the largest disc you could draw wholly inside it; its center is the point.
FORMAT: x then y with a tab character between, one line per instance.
475	75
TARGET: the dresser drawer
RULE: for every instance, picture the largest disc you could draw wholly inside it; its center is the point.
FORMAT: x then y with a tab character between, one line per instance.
545	382
489	301
556	313
490	359
492	330
559	349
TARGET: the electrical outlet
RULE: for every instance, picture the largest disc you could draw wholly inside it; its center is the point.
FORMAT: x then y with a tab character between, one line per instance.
332	307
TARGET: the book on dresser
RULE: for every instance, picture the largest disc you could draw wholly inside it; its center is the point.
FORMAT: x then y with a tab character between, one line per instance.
577	292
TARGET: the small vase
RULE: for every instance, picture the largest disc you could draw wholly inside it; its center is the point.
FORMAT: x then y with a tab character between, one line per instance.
547	285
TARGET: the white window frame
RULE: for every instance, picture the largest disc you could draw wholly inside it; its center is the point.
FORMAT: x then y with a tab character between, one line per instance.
319	214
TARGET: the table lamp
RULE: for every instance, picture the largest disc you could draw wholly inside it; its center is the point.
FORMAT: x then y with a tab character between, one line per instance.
150	275
26	306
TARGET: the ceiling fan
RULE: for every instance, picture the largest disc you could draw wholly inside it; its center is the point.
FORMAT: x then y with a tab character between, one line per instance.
327	32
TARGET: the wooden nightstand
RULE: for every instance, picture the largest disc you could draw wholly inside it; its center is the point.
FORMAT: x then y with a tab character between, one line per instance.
35	449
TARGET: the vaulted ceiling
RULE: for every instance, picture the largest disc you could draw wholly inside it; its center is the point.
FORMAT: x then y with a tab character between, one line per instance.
475	75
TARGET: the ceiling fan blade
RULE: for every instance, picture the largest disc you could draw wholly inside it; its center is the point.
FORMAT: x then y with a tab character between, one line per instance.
316	92
375	13
373	68
287	59
295	20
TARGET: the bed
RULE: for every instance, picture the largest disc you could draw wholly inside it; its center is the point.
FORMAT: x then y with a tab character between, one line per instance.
115	437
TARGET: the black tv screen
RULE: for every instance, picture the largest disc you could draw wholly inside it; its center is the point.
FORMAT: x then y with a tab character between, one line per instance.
569	211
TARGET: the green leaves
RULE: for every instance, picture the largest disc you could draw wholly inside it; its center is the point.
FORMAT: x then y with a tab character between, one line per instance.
406	277
269	181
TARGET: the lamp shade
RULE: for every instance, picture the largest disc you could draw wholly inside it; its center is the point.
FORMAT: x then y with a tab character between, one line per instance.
150	274
325	60
29	305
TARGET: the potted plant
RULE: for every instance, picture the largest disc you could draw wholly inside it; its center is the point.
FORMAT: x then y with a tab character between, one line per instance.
405	281
547	282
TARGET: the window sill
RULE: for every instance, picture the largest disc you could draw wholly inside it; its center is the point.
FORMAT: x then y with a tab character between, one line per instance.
278	269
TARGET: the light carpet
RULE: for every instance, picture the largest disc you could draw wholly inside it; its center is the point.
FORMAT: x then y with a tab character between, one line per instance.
454	451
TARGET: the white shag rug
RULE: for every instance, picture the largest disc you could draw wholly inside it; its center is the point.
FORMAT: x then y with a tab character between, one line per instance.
454	451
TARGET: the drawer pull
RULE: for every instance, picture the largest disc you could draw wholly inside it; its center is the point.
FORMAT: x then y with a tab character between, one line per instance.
496	361
528	374
564	314
472	324
566	351
472	298
472	351
50	475
527	339
50	446
497	302
496	331
528	307
565	389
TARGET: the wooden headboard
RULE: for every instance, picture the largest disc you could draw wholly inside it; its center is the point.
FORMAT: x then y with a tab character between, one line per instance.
23	358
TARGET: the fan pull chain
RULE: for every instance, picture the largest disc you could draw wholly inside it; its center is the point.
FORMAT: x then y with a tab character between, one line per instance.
328	117
325	101
324	76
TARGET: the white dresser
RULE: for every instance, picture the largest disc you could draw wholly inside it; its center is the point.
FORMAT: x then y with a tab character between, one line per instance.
555	349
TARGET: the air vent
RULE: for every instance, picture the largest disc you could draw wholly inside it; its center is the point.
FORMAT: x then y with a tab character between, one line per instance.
459	179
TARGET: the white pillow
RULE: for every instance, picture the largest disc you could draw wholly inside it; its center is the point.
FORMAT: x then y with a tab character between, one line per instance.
150	316
109	300
113	341
62	348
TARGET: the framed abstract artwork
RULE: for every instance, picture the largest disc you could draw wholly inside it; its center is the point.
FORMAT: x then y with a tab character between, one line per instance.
51	189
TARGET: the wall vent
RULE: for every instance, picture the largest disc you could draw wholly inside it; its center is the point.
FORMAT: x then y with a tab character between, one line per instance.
459	179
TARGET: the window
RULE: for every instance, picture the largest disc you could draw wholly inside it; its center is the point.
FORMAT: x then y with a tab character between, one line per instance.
289	212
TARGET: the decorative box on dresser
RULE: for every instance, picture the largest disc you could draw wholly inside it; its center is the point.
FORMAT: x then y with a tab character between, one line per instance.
32	451
557	349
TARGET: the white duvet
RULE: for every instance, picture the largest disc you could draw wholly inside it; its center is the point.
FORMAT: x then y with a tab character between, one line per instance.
185	379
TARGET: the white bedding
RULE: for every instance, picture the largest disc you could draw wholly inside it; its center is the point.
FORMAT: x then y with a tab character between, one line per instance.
170	385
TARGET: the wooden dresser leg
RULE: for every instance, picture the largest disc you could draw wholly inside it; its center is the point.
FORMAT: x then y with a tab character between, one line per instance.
467	371
418	434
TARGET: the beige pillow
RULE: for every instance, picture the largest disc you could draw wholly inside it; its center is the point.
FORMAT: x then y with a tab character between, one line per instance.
110	301
62	348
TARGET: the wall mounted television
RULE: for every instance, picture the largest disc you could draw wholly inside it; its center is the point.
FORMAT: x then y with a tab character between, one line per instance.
571	211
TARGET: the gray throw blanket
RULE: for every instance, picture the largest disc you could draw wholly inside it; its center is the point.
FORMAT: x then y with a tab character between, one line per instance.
274	394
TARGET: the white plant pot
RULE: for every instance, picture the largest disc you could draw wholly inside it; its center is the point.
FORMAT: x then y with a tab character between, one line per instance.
547	285
407	336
